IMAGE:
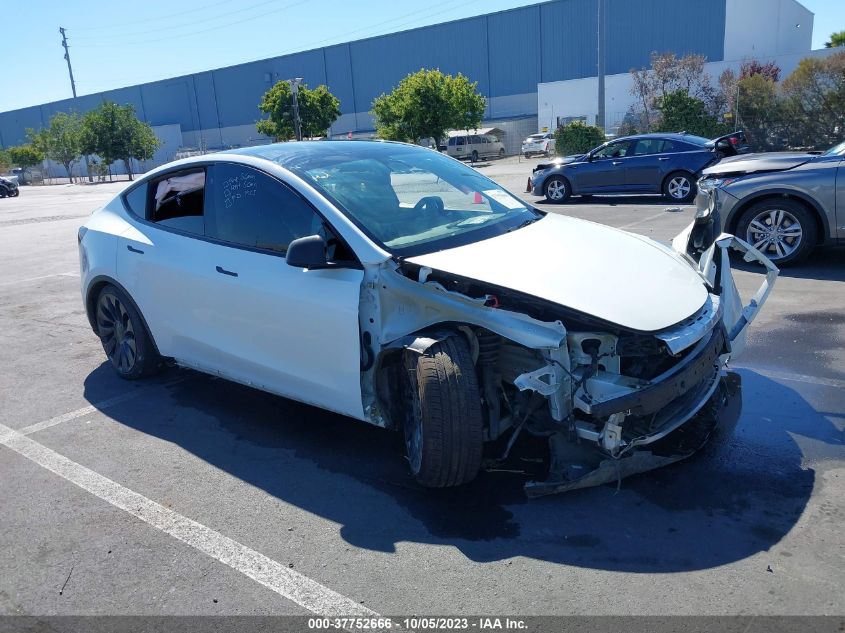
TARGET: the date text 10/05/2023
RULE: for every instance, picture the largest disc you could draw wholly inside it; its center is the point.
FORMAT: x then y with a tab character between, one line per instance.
418	623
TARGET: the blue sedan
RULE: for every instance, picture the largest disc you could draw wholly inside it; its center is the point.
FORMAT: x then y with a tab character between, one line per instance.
667	164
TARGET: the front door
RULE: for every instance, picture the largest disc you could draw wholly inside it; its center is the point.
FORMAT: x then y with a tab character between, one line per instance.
605	171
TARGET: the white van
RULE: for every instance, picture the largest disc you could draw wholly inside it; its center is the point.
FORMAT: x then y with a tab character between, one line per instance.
475	146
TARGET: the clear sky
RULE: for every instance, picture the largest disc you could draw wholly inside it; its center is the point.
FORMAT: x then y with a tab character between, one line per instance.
122	43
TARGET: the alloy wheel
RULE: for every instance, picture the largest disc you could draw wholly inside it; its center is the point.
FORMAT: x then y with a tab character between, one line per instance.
679	187
117	333
775	232
556	190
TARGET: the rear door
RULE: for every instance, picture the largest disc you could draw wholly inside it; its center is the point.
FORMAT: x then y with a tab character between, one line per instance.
645	167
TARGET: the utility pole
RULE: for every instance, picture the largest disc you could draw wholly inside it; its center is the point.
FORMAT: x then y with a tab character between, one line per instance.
73	89
600	50
297	123
67	58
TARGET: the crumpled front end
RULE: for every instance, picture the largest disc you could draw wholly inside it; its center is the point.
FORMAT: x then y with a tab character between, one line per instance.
627	395
603	394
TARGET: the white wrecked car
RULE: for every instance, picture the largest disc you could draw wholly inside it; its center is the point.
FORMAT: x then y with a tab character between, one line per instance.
397	286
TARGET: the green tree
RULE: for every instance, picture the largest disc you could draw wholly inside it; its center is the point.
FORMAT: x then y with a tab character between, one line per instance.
761	112
113	132
577	138
61	141
682	112
426	104
5	161
25	156
814	100
836	39
318	109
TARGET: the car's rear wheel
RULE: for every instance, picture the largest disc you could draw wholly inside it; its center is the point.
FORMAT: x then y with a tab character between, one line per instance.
557	189
474	156
502	152
124	336
15	193
783	230
679	186
443	429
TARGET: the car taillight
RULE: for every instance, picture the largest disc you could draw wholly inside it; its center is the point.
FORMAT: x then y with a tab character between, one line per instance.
734	140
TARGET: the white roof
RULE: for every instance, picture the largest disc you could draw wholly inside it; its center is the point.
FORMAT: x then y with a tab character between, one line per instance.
481	130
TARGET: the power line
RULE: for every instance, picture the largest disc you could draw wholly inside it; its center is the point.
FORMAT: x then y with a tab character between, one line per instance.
213	28
310	45
178	26
301	48
155	19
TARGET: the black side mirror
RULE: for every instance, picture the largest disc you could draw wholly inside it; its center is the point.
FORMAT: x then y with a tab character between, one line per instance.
307	252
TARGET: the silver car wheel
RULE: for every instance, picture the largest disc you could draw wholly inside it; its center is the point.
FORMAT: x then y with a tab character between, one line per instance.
679	187
556	190
775	232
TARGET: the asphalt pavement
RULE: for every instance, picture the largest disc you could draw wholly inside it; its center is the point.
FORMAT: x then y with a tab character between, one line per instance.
176	495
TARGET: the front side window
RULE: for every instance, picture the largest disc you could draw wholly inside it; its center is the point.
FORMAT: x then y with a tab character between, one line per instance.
613	150
249	208
408	200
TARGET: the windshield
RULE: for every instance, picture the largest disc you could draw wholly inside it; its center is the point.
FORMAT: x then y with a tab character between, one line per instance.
836	150
536	137
410	200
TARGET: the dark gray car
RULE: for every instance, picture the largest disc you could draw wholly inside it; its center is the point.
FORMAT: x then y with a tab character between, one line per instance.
783	204
647	163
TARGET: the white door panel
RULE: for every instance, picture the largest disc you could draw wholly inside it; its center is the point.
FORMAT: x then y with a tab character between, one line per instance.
279	328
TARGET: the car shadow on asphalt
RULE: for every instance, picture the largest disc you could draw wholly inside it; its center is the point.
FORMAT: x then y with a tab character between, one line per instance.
824	264
739	496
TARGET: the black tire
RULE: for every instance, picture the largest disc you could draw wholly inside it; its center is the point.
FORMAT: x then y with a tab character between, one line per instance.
557	189
443	431
474	156
16	193
679	186
124	335
798	233
527	155
502	153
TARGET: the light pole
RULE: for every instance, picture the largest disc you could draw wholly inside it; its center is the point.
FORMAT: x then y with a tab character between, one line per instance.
297	123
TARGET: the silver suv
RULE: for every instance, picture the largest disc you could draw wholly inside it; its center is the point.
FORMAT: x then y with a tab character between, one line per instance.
784	204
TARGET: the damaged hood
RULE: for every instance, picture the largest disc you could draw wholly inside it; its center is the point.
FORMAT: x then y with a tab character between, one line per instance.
616	276
750	163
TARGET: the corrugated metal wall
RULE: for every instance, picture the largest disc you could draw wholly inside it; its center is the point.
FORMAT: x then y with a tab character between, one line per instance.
507	53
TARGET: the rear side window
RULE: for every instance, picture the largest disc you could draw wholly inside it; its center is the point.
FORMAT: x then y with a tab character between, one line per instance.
249	208
136	200
177	201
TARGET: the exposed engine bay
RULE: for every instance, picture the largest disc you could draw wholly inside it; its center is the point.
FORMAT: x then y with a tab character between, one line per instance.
602	394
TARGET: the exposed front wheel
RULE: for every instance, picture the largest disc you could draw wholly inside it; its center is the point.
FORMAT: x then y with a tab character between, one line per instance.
783	230
679	187
124	336
443	429
557	189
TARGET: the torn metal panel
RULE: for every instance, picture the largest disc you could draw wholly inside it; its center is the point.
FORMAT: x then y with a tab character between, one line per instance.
406	306
737	316
691	330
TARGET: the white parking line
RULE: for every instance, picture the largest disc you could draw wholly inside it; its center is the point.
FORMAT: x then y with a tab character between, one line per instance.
97	406
783	375
642	221
31	279
275	576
